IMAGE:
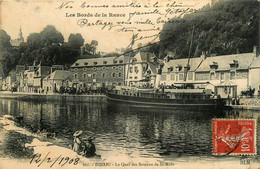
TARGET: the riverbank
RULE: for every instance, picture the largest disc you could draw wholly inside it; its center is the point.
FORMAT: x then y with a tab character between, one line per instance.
52	97
19	147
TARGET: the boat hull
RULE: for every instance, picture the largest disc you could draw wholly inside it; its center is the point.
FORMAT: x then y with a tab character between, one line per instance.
190	104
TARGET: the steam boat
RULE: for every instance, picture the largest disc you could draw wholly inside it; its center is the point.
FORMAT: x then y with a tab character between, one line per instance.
166	98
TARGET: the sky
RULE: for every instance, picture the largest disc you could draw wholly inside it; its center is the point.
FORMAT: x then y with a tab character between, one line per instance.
33	16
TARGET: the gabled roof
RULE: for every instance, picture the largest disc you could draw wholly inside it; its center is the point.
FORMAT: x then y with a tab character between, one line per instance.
256	63
59	75
142	57
223	62
100	61
193	63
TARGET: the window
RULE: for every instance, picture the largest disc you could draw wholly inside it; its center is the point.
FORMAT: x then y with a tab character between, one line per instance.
131	69
119	67
94	76
113	74
212	75
94	68
120	61
115	61
119	74
86	63
190	76
232	75
113	67
103	75
84	69
95	63
172	76
170	69
84	76
136	69
75	76
75	69
104	62
103	68
135	77
76	64
181	77
221	76
130	77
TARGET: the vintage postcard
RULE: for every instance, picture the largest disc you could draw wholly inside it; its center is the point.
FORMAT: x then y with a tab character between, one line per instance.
129	84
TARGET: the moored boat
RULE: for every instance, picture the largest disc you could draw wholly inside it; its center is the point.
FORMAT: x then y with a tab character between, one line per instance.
168	98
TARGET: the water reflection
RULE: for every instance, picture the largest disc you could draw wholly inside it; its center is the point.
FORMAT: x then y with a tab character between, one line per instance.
124	131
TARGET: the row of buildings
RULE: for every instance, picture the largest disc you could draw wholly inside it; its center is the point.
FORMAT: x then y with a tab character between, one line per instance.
227	74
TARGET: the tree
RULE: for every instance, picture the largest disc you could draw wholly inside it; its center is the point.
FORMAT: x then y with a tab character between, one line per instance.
75	41
4	40
225	27
34	39
49	35
92	47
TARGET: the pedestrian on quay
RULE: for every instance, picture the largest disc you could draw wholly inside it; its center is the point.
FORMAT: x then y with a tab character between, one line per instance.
77	146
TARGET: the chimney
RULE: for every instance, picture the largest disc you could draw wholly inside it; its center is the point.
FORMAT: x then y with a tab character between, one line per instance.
203	55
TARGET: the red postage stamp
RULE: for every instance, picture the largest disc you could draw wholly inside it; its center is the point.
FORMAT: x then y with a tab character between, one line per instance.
234	136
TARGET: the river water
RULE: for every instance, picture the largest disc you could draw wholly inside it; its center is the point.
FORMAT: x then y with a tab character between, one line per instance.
123	131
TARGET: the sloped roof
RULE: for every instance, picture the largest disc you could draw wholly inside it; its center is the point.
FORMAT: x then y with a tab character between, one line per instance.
223	62
100	61
194	63
142	57
153	69
59	75
256	63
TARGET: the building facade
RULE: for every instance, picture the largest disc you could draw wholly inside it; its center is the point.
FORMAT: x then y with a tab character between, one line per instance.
226	75
142	70
99	72
53	82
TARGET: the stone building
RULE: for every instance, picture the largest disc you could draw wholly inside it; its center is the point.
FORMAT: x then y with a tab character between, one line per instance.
180	70
55	80
99	72
142	69
228	74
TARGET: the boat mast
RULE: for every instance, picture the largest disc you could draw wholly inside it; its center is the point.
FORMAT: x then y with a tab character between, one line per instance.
129	46
186	71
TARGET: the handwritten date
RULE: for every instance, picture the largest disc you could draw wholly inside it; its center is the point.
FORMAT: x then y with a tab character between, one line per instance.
38	159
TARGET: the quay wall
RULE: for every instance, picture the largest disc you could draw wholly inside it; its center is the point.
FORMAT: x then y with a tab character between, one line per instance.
53	97
247	104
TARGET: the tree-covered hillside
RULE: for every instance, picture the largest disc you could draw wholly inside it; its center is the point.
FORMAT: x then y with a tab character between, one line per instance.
225	27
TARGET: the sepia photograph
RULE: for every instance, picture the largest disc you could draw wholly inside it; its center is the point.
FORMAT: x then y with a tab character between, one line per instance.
137	84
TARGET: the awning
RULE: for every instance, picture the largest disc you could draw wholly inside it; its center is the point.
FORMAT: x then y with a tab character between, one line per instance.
184	90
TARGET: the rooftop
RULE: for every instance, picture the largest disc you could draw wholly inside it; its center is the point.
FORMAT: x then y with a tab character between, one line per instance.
100	61
179	63
242	61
